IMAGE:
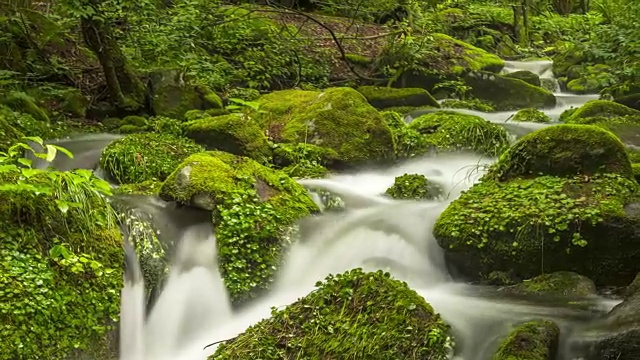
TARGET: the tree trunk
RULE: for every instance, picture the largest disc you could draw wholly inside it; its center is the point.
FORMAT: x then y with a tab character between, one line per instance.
125	89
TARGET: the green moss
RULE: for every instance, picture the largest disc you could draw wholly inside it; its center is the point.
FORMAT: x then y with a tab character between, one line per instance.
359	59
23	103
414	187
340	119
472	58
531	115
533	340
253	207
508	93
598	109
138	121
446	130
22	124
244	94
148	187
568	216
563	150
557	284
303	160
236	133
393	120
386	97
348	315
590	79
60	259
526	76
10	134
141	157
405	110
635	168
471	104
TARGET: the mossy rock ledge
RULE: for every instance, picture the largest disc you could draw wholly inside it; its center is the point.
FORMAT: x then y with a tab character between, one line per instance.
60	268
339	119
555	285
350	315
253	209
533	340
568	190
386	97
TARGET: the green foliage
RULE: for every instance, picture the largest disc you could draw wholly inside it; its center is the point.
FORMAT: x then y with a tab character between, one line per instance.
471	104
61	258
533	340
415	187
141	157
348	315
254	208
21	102
563	150
531	115
303	160
447	130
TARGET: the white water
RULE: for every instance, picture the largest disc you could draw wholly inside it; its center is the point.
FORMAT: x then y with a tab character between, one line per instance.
374	233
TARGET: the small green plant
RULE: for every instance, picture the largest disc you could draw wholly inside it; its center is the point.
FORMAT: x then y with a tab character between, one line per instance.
415	187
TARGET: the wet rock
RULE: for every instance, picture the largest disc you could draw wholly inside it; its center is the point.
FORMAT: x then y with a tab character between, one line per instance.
557	284
531	115
386	97
533	340
526	76
508	93
414	187
634	287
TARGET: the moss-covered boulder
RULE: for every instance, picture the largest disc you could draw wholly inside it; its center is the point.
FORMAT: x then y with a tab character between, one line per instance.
303	160
566	188
448	130
564	150
141	157
172	96
465	56
596	111
526	76
590	79
340	119
253	209
533	340
557	284
508	93
23	103
386	97
339	319
236	133
414	187
471	104
60	259
531	115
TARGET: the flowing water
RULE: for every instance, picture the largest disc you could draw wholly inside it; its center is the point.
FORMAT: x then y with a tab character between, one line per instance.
374	232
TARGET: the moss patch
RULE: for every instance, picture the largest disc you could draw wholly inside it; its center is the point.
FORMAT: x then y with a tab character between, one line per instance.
414	187
533	340
508	93
597	110
141	157
253	207
348	315
563	150
386	97
148	187
471	57
447	130
236	133
557	284
471	104
531	115
526	76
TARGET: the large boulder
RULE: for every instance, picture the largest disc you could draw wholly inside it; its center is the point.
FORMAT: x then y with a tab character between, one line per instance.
253	209
235	133
340	318
533	340
142	157
340	119
448	130
566	188
386	97
598	111
526	76
508	93
60	263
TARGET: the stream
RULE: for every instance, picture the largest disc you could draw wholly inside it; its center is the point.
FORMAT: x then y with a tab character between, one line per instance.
374	233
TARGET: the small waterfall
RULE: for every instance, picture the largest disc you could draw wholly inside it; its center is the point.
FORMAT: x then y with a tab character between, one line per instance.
542	68
132	307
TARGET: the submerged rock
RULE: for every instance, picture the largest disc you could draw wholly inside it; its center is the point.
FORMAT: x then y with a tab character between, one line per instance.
566	188
60	263
349	315
414	187
557	284
235	133
253	208
508	93
533	340
448	130
339	119
386	97
141	157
